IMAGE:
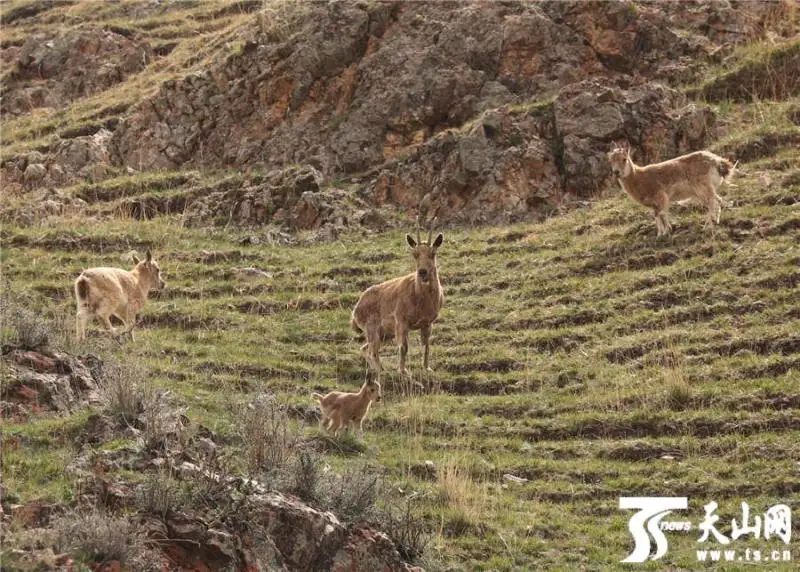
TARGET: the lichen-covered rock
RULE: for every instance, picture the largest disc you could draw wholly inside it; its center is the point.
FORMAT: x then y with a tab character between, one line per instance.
396	73
517	160
392	100
46	380
653	118
390	85
80	159
295	198
367	550
52	70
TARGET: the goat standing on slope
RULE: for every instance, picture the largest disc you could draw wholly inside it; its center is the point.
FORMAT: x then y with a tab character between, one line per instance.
340	409
105	292
394	307
696	175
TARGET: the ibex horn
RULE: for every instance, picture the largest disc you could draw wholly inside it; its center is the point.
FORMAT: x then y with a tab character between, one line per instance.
433	219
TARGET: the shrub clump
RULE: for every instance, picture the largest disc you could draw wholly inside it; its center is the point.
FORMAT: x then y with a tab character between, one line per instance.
23	328
266	434
95	537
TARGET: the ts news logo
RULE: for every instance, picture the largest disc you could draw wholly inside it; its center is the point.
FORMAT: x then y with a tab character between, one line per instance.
647	525
648	520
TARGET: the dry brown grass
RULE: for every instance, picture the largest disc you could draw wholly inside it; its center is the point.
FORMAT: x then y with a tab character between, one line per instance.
278	20
459	492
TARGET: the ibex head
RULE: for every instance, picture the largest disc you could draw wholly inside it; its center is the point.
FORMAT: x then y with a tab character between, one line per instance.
620	159
150	269
372	388
425	252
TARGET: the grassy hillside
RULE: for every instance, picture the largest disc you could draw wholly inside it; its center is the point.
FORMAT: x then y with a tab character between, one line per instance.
582	354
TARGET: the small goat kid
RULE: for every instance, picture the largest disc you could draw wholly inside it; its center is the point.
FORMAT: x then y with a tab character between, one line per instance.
340	409
105	292
410	302
696	175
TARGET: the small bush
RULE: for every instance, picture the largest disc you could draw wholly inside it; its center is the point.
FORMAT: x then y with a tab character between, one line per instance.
22	327
352	496
345	443
159	495
266	434
123	392
133	400
457	488
95	537
307	477
678	395
278	20
160	422
406	528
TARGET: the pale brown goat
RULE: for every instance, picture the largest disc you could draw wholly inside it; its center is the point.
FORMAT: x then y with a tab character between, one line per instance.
106	292
697	175
340	409
410	302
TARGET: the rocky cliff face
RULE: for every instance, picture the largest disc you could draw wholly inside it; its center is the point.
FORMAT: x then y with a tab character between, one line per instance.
498	109
51	70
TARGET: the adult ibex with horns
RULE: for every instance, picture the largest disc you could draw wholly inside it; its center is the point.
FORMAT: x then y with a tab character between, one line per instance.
410	302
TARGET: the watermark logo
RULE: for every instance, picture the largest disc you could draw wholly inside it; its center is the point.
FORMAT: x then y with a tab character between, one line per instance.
647	523
647	527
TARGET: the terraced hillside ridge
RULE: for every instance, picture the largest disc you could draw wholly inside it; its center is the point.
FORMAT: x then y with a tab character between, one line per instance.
578	358
581	354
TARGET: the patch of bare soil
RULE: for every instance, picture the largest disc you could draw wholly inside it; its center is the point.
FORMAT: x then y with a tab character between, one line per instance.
609	263
259	372
180	321
77	243
472	386
755	148
656	426
300	305
133	186
492	365
762	346
784	280
554	343
639	451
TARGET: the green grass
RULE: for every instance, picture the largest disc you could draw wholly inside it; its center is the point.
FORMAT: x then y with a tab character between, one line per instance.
575	353
582	353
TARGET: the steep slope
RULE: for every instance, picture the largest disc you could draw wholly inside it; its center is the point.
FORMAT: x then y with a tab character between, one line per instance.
582	354
577	358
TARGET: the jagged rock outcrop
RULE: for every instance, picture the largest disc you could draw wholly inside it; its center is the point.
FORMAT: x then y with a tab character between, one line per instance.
53	70
46	380
240	523
397	73
295	198
515	160
248	527
78	159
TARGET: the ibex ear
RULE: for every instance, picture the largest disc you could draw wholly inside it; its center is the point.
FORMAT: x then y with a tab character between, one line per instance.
135	259
411	242
438	241
148	256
